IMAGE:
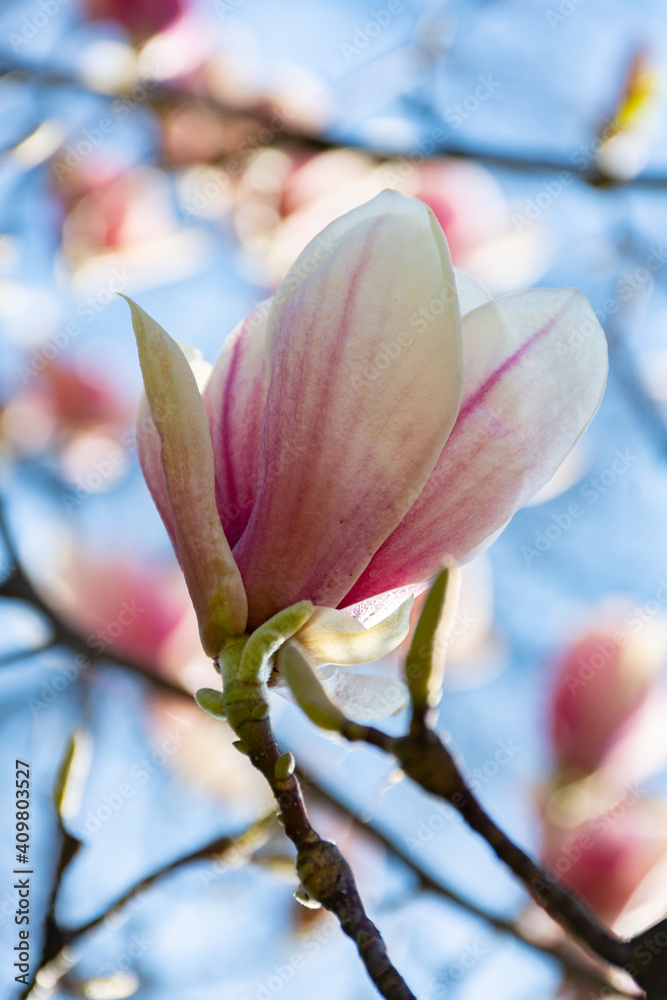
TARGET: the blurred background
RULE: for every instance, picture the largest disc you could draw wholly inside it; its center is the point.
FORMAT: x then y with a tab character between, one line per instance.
183	152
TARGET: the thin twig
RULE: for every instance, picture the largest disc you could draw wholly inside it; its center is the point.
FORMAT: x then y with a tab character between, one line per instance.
243	844
266	113
19	586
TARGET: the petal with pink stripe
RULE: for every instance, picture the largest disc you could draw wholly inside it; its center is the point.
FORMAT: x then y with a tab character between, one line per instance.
234	399
363	394
535	367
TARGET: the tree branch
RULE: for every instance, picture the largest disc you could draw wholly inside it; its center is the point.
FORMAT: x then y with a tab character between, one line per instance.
325	875
55	963
576	963
265	112
427	761
19	586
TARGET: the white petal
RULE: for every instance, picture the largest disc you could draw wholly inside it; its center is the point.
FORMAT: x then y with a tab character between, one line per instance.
471	292
332	636
364	697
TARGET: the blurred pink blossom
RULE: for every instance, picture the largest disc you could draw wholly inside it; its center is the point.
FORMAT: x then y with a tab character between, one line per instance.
141	612
286	198
602	681
142	18
605	858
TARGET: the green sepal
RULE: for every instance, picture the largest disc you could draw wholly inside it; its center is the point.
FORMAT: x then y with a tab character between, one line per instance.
72	774
309	694
302	897
265	641
211	701
284	766
424	666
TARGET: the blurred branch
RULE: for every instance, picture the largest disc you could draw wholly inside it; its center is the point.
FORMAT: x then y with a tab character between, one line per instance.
54	939
57	961
18	585
266	113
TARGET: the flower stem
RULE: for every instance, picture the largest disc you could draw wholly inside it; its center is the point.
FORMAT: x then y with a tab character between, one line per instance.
325	875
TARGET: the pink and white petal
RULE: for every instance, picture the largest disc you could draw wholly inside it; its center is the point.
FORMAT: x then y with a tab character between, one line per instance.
364	392
535	367
149	448
376	608
234	399
331	636
200	367
365	697
471	292
178	413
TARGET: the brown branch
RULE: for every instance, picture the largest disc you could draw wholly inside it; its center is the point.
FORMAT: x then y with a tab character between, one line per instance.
427	761
325	875
54	938
266	113
576	963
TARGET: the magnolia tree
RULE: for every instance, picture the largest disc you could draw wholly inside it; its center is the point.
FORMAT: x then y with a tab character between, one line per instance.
374	424
199	739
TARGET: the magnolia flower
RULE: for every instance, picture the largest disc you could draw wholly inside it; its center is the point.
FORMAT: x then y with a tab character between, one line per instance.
605	858
602	682
142	18
355	431
141	613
